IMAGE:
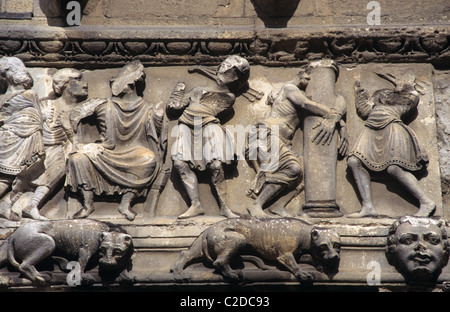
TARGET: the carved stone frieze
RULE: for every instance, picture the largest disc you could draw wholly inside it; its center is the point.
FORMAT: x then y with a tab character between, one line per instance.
277	47
259	151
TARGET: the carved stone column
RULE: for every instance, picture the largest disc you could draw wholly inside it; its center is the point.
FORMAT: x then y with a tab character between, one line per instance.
320	160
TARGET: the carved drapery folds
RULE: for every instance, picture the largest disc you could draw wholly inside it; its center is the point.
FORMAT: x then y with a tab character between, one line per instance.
123	134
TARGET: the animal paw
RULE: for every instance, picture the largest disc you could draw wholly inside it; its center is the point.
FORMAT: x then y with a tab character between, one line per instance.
303	276
87	279
234	275
178	276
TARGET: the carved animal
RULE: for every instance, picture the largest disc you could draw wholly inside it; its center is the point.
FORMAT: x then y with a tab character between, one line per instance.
278	239
79	240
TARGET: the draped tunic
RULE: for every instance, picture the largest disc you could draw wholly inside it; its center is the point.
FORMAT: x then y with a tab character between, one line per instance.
386	140
21	143
129	155
200	138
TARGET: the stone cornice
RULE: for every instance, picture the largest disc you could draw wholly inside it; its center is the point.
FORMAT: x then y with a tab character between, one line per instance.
95	46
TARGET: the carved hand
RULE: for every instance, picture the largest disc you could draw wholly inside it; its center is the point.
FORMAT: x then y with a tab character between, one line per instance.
48	113
326	127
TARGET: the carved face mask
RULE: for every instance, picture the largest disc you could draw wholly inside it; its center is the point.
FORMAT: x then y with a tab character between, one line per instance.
419	254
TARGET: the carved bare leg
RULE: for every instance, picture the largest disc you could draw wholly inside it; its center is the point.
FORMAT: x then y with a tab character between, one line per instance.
32	210
88	205
190	182
268	192
362	179
409	181
288	261
218	180
125	206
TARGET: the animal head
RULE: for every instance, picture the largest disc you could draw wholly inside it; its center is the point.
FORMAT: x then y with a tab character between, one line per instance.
115	250
325	250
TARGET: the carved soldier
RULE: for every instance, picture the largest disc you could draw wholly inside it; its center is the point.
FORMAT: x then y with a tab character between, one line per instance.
70	89
21	145
128	157
418	248
272	177
199	120
388	144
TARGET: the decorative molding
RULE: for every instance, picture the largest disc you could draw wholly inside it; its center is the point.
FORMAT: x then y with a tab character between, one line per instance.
98	47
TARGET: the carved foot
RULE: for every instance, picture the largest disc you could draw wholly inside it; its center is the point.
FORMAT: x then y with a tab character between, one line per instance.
193	211
426	210
366	212
126	211
279	210
82	213
258	212
226	212
33	213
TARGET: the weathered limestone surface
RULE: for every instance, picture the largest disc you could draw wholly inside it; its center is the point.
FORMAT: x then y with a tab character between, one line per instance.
169	37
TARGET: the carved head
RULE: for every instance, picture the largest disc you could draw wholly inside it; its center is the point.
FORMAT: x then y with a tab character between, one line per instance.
325	250
70	80
418	248
233	72
14	72
115	250
130	77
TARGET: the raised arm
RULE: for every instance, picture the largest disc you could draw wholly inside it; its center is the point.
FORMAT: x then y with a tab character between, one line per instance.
363	104
298	98
84	110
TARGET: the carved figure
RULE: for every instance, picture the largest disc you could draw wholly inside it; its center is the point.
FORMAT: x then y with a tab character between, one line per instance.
273	176
275	239
418	248
21	145
58	134
78	240
129	155
200	120
388	144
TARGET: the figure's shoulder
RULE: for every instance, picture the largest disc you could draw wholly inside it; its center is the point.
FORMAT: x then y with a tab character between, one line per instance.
30	95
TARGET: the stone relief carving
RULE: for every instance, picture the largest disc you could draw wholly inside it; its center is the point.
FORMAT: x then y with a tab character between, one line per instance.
321	159
58	136
127	162
274	174
22	147
129	155
418	248
66	240
276	239
201	107
387	143
154	50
